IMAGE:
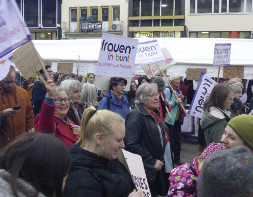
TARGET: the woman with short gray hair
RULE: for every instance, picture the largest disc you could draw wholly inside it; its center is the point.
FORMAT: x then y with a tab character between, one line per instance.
147	136
73	88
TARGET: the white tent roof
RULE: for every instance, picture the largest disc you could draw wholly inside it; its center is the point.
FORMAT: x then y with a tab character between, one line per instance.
187	52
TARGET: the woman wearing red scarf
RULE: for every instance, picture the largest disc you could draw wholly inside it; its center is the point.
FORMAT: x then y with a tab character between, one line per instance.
147	136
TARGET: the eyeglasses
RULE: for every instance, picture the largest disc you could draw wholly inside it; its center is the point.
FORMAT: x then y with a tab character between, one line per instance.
8	82
153	95
59	101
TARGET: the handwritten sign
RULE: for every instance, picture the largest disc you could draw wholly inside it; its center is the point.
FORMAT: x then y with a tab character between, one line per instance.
117	56
136	168
204	89
13	30
194	73
149	53
65	67
233	72
222	53
27	60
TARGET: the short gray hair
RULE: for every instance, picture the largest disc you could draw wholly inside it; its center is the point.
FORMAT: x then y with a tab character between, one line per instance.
235	84
69	86
143	91
89	95
159	81
58	90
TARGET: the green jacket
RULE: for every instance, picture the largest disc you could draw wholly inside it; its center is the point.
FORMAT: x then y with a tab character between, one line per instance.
172	100
213	123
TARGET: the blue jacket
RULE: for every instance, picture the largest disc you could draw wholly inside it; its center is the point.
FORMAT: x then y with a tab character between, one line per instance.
114	106
39	94
173	104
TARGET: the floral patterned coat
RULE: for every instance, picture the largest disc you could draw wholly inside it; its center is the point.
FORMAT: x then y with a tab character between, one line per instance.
183	180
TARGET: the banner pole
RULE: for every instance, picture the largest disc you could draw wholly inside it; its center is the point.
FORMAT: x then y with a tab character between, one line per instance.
218	75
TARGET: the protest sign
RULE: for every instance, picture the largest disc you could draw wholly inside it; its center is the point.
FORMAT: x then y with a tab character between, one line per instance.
233	72
204	89
5	63
13	30
194	73
27	60
65	68
148	53
136	168
222	53
117	56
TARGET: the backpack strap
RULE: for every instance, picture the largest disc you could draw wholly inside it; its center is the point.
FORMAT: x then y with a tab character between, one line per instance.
226	116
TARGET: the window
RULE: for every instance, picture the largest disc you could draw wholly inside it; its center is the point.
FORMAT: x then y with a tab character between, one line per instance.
167	7
105	15
73	15
156	34
178	8
146	8
49	13
215	34
94	13
157	8
146	23
193	34
248	5
224	6
236	5
116	13
156	22
179	22
167	22
225	34
192	6
31	13
134	23
204	6
203	34
216	6
83	14
245	35
136	8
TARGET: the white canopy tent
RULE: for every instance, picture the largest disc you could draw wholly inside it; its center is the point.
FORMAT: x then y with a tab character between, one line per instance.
187	53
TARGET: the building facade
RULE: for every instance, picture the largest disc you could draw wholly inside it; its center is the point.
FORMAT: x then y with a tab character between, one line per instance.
156	18
219	18
89	18
43	18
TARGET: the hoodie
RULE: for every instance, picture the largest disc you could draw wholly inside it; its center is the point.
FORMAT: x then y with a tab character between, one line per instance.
214	123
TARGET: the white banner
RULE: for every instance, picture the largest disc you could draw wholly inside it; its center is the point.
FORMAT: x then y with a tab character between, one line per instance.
117	56
13	30
137	171
204	89
5	63
149	53
222	53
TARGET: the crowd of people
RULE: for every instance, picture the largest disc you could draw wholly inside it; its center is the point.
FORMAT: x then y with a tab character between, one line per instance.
62	137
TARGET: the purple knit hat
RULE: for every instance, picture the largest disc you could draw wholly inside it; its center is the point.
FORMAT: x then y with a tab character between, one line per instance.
227	173
213	147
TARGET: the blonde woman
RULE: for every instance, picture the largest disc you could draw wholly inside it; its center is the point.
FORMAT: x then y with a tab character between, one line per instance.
89	96
95	170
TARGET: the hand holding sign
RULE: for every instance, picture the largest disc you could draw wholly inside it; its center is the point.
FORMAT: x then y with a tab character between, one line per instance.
136	193
50	86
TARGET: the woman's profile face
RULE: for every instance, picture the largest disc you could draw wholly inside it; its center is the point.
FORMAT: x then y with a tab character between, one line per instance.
238	93
230	139
76	95
228	101
114	141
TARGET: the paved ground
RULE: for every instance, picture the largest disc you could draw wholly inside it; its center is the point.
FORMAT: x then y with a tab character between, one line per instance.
190	148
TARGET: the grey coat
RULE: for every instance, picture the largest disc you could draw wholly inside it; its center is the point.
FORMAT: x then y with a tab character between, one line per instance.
24	189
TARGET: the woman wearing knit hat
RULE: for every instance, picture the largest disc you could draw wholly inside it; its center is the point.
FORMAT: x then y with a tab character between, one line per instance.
227	173
239	132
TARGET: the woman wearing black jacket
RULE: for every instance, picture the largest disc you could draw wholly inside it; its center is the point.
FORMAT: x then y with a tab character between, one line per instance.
95	170
147	136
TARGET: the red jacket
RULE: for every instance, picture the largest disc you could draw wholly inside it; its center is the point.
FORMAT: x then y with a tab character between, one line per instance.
46	122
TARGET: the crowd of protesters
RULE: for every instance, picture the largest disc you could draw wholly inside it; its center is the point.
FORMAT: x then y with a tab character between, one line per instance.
62	137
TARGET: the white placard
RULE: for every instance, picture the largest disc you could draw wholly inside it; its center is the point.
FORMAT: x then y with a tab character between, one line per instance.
117	56
137	171
5	63
149	53
204	89
13	30
222	53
